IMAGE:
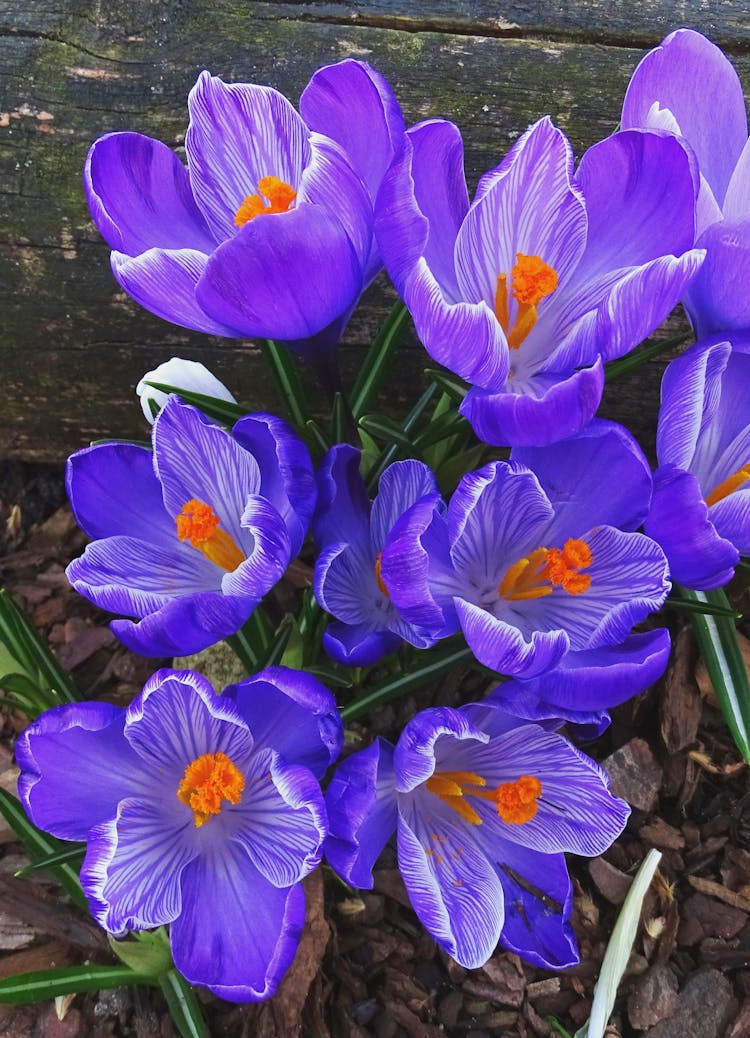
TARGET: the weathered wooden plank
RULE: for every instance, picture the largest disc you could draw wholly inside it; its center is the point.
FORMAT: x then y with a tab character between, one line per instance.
69	72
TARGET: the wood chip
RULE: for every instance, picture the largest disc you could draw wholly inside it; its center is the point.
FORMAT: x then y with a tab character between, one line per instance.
721	893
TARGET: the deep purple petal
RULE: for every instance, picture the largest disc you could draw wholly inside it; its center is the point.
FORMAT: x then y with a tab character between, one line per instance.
185	625
283	276
343	511
286	473
238	134
598	477
456	894
237	934
75	766
401	485
731	517
134	863
281	821
503	647
113	489
737	200
164	282
354	105
640	201
718	300
691	77
292	712
139	196
518	698
357	644
414	757
563	406
361	803
270	555
538	902
346	586
679	520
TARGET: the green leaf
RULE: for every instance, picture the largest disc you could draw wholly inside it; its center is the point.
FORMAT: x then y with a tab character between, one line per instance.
72	854
719	646
430	666
40	845
454	386
33	656
410	422
329	676
378	358
707	608
386	430
341	419
284	369
646	352
454	467
184	1007
439	429
220	410
48	984
146	952
294	653
315	437
619	949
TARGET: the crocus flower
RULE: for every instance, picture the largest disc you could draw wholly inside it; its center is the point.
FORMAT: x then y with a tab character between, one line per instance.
189	243
546	275
183	374
189	539
701	508
484	805
687	86
534	565
200	811
351	534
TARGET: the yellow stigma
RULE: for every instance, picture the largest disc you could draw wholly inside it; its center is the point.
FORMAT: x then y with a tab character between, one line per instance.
515	802
532	280
274	196
537	574
199	524
729	485
210	779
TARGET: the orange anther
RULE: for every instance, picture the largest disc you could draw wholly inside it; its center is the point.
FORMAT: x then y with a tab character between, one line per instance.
208	780
198	523
517	801
379	577
279	194
533	279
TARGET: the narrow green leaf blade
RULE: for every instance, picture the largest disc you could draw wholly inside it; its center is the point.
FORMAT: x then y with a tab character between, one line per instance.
72	854
451	384
23	643
633	360
410	423
184	1007
719	646
219	410
48	984
378	358
284	369
386	430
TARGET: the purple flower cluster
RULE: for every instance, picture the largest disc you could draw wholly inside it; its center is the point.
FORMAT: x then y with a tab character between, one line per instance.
205	812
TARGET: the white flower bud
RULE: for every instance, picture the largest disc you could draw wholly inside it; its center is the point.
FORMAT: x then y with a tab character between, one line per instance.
185	374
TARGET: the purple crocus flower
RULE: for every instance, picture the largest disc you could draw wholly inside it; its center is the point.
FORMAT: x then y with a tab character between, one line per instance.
200	811
534	558
351	533
189	539
188	243
701	508
526	292
687	86
484	805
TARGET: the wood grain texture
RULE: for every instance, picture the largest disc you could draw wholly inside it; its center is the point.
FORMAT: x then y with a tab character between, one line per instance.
72	345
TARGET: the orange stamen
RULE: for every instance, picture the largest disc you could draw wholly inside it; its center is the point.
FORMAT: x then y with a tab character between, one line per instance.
532	280
210	779
729	485
536	575
516	802
279	194
379	577
501	301
198	523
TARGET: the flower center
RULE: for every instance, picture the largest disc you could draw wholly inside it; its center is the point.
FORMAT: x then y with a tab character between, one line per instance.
379	577
198	523
515	802
539	573
210	779
729	485
532	280
274	196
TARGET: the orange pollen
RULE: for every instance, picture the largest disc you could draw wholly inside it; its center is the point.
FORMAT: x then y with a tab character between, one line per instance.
532	280
729	485
277	192
209	780
516	802
199	524
379	576
536	575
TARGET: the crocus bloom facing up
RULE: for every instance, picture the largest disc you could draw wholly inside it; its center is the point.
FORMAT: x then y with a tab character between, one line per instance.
183	374
535	558
688	87
351	533
701	509
548	273
268	230
484	805
200	811
189	539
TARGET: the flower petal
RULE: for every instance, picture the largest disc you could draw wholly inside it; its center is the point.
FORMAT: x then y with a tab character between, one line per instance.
185	625
113	489
737	201
139	196
238	134
402	484
75	766
357	645
414	758
343	511
270	555
691	77
239	955
292	711
184	374
502	646
718	300
164	282
346	587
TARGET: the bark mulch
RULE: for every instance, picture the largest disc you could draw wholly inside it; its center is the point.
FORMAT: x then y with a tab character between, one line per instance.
365	967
